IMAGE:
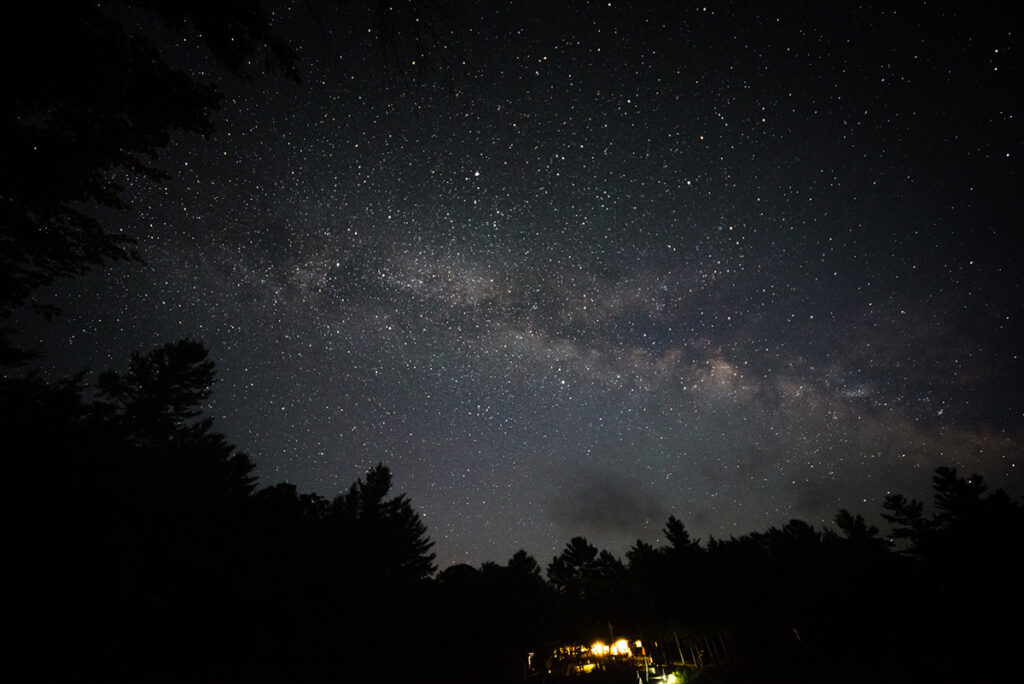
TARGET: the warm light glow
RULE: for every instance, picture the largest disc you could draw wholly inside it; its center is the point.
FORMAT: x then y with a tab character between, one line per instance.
620	647
638	644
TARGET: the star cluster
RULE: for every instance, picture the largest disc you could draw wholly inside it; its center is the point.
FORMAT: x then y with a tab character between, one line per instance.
615	261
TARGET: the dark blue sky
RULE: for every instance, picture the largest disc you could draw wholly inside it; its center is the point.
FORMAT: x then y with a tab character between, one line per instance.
620	260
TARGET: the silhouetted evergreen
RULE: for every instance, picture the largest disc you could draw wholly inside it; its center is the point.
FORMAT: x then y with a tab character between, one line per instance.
152	552
174	553
968	557
388	533
489	619
591	588
152	556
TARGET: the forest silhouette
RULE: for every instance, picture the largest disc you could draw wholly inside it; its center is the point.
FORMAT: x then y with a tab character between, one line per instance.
143	548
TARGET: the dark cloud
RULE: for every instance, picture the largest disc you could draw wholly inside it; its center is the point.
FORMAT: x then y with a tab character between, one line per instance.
603	503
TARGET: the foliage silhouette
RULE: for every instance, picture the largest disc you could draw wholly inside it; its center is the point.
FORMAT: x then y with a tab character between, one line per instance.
98	104
389	531
678	537
969	558
496	615
591	588
153	556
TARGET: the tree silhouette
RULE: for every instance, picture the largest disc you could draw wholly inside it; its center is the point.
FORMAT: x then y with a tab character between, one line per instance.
144	517
855	528
97	104
161	390
570	571
968	525
907	518
496	614
150	548
524	566
968	557
181	489
678	536
153	405
387	536
592	588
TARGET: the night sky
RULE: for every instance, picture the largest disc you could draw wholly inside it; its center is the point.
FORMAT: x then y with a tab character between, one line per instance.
596	264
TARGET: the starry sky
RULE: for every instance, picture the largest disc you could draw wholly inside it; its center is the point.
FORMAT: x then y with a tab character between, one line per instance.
596	263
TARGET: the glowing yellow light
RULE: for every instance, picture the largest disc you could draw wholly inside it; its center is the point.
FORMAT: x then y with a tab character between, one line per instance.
620	647
599	649
638	644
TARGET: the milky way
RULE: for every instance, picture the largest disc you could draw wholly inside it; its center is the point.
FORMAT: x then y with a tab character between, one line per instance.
597	266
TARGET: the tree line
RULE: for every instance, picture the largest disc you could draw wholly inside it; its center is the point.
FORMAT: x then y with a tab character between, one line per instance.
145	550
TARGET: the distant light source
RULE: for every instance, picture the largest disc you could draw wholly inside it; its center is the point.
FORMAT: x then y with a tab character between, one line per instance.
620	648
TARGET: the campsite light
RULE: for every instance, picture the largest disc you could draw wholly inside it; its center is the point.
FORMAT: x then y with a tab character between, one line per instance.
620	647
